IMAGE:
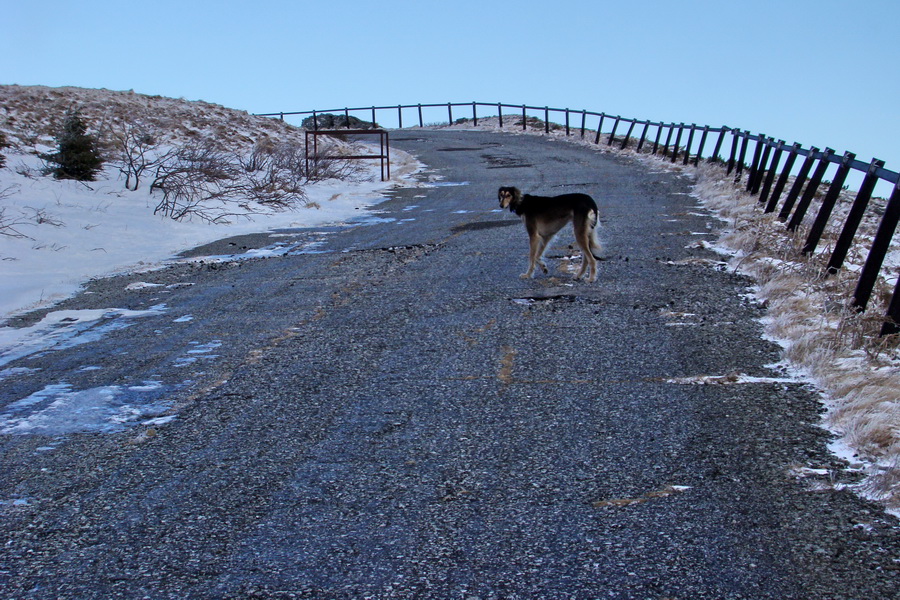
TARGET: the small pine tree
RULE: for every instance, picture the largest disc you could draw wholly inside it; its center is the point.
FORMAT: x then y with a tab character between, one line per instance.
77	156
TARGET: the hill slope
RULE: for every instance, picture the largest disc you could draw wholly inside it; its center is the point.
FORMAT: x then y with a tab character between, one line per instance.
56	234
32	114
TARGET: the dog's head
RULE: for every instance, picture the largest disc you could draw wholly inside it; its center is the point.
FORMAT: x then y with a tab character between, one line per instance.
509	197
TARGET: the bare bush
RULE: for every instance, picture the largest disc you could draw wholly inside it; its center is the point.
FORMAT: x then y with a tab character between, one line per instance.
199	180
274	174
8	222
136	153
195	181
27	171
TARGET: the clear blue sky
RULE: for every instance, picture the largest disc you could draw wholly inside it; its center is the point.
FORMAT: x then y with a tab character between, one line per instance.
821	72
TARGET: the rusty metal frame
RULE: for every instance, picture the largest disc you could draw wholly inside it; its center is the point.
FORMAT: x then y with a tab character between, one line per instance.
384	154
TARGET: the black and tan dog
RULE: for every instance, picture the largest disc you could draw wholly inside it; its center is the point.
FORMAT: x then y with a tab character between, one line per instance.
544	216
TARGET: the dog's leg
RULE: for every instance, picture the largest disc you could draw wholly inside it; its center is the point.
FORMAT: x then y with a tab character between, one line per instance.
594	249
587	264
538	239
535	249
544	241
584	235
593	220
583	268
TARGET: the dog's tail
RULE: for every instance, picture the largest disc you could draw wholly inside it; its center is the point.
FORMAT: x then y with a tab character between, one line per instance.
596	249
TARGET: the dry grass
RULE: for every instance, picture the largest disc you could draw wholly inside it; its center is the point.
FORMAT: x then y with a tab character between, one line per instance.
809	314
32	114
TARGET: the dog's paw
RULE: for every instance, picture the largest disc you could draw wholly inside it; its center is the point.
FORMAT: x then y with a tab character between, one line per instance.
525	275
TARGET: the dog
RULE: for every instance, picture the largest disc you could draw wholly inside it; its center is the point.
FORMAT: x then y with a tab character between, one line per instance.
544	216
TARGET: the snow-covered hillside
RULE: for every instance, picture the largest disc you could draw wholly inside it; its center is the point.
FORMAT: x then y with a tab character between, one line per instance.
57	234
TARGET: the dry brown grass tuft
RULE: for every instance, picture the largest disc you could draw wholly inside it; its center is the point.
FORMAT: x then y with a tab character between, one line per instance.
809	314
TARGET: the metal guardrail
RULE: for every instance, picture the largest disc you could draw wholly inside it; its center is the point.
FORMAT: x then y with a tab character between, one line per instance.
384	154
688	142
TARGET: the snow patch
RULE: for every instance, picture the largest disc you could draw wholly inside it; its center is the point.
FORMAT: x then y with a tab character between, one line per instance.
142	285
71	232
66	329
59	410
730	379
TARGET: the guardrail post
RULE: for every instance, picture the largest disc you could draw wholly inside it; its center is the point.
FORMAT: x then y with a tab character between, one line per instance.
628	135
474	115
699	154
643	135
794	193
659	128
567	122
740	163
315	121
770	172
500	113
718	148
877	252
809	193
854	217
583	121
834	191
759	164
783	178
690	142
547	120
399	116
374	123
732	160
754	163
421	123
612	134
665	151
677	143
599	128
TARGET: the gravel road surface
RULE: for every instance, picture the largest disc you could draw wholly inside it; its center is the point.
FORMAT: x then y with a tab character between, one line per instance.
387	410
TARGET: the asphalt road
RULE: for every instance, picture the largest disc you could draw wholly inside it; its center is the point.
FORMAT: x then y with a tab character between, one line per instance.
388	411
